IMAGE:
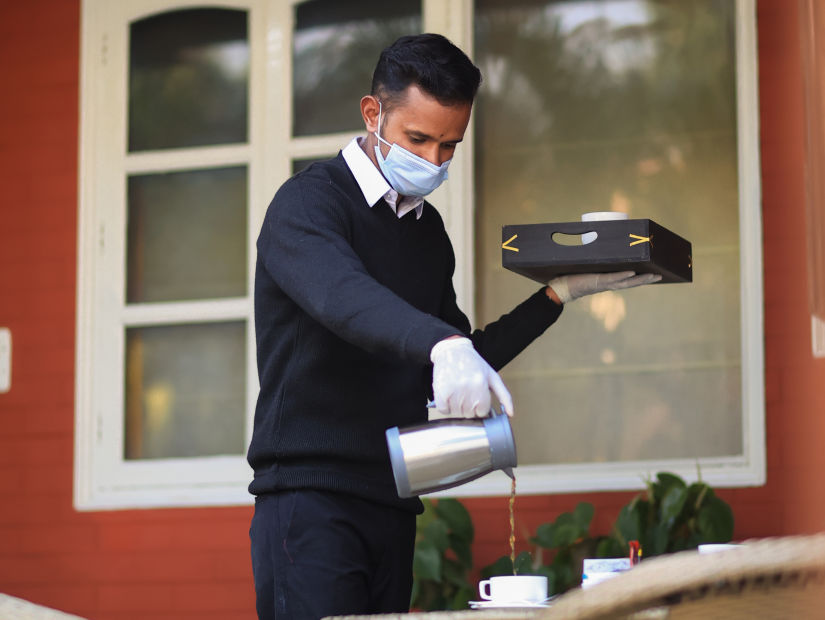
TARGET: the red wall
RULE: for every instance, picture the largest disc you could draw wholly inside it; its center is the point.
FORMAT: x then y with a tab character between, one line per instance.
173	564
193	563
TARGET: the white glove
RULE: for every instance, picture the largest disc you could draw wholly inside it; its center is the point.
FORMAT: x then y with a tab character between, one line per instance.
572	287
462	380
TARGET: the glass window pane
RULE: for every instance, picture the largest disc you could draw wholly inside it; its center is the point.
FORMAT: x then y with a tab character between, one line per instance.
185	387
188	79
187	235
335	47
625	105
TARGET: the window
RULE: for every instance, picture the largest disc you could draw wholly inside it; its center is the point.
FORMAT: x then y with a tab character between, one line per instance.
188	129
165	336
334	49
193	114
631	106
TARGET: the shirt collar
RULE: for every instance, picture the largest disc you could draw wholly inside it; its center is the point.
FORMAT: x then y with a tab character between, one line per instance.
374	186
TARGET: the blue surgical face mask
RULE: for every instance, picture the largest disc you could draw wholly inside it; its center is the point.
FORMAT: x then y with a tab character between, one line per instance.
406	172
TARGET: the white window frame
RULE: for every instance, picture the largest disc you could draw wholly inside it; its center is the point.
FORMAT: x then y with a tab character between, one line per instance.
103	479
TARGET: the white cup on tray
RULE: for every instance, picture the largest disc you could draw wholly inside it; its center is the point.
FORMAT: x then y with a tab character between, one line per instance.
599	216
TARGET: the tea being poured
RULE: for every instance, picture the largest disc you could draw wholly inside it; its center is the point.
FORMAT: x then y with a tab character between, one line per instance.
513	524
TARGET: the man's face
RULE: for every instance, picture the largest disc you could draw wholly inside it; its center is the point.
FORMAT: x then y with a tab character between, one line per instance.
418	123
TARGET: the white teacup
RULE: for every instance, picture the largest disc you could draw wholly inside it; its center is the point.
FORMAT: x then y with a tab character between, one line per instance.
715	548
514	589
598	216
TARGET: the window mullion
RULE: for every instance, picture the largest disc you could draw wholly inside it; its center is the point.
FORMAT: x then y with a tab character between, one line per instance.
455	199
200	311
174	160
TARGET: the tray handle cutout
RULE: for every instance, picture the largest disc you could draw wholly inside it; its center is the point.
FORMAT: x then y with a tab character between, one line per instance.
567	240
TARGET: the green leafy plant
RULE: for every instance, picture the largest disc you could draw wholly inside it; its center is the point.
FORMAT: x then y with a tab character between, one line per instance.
443	557
668	516
672	516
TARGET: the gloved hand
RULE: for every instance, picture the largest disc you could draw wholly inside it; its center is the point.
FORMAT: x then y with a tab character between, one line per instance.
572	287
462	380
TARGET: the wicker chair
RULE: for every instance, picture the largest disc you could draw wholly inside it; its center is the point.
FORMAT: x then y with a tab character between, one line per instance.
485	614
778	578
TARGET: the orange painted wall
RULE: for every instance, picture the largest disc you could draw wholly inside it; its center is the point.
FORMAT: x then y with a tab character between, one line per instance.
164	564
193	563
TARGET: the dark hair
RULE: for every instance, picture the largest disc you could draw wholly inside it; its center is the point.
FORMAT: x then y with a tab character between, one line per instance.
429	61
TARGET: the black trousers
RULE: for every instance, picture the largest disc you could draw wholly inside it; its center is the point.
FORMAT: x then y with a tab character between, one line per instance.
316	554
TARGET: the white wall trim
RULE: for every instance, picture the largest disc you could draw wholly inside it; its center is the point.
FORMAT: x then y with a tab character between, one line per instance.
817	336
751	272
596	477
455	199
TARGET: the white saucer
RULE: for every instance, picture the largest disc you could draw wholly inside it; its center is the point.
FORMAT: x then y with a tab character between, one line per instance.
511	605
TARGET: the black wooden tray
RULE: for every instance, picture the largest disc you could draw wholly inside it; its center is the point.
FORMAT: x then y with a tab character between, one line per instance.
541	251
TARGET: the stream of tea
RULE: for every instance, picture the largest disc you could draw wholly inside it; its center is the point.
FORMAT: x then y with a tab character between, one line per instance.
513	525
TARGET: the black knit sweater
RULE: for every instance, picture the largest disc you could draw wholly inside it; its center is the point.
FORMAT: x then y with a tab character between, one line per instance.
349	300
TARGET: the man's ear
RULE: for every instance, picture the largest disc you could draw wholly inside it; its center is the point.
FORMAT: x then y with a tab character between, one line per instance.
369	112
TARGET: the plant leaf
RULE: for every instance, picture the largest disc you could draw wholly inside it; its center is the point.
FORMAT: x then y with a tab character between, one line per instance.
545	535
454	573
551	578
672	504
565	535
715	521
566	530
425	518
659	539
524	564
564	577
628	523
437	602
462	549
457	518
427	561
436	533
668	480
461	599
584	515
609	547
502	566
416	590
696	495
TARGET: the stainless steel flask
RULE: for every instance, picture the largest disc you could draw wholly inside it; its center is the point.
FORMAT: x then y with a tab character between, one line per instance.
442	454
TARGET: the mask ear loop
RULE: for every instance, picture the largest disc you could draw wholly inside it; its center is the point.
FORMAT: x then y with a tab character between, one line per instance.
380	109
378	133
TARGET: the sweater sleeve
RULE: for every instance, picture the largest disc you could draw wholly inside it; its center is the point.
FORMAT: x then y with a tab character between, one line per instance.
305	247
502	340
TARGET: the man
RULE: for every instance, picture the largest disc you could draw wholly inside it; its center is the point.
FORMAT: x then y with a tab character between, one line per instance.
356	321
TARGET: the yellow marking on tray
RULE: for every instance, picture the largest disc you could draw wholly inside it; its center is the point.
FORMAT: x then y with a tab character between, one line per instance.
505	246
640	239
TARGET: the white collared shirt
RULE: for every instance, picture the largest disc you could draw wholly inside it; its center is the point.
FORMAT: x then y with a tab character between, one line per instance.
373	184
